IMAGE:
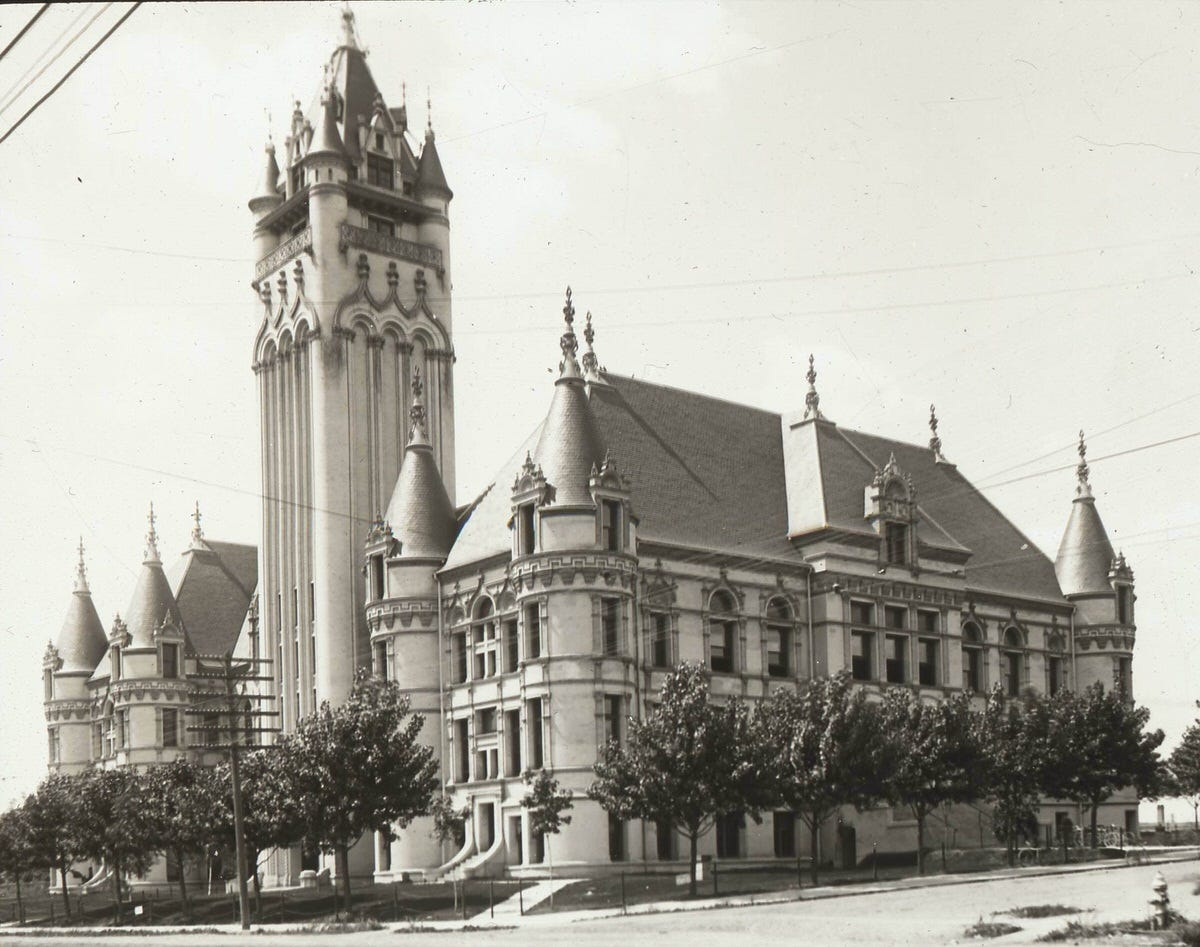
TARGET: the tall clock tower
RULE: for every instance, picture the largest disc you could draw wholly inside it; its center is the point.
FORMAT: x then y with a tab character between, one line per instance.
352	238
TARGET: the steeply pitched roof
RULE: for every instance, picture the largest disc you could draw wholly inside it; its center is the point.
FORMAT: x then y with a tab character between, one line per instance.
152	602
708	474
213	585
82	642
1085	554
430	175
420	513
570	444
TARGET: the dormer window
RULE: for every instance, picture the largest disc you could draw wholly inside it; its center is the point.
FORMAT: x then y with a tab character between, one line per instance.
48	683
379	141
381	171
377	589
526	536
170	661
297	176
611	537
1124	605
116	663
896	543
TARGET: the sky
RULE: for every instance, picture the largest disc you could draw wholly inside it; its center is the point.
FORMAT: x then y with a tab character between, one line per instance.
993	207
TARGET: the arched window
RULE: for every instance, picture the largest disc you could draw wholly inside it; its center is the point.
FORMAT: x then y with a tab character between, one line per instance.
1056	677
484	640
972	657
1012	660
777	632
722	631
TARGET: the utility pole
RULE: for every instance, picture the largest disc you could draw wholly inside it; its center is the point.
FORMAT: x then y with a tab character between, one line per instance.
231	673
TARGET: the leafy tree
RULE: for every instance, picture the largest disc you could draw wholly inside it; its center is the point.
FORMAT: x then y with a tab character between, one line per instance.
183	809
547	806
1101	745
358	767
16	854
448	822
1019	755
823	751
1184	765
50	813
686	764
935	755
271	816
112	826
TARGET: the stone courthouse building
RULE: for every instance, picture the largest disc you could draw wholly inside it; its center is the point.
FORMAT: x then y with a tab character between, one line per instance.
638	526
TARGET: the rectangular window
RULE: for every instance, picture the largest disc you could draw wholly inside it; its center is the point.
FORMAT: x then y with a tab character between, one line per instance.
1124	605
610	526
381	225
1012	673
512	650
895	616
785	834
512	739
48	683
612	717
381	171
376	577
462	747
1054	669
533	630
116	664
458	657
123	720
972	669
485	721
486	648
664	840
379	141
722	637
610	625
170	726
729	835
533	718
778	646
616	839
381	660
862	613
660	640
1125	676
297	176
928	621
927	668
862	644
487	763
526	536
896	543
55	746
897	645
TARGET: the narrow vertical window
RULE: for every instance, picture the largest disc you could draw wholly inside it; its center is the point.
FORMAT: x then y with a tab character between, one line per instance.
896	543
778	632
611	526
381	660
170	726
660	642
512	649
610	625
170	661
897	645
533	718
722	629
927	669
613	704
512	741
526	536
533	630
862	664
377	577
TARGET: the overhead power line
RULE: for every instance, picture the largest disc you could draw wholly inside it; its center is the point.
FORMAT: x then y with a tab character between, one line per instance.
70	72
12	93
25	29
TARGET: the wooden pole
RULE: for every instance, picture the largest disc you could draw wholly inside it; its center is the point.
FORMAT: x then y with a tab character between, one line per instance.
239	825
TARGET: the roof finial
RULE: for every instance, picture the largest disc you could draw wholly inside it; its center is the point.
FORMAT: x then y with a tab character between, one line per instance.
81	584
197	531
404	94
935	442
591	364
348	27
416	412
568	367
428	114
1082	486
812	400
152	539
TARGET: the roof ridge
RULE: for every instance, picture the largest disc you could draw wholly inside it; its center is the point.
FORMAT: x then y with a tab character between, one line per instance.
694	394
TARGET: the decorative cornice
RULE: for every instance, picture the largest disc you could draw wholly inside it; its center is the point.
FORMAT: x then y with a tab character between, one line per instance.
545	569
351	236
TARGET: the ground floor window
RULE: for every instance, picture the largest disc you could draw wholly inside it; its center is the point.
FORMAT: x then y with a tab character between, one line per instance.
785	834
616	839
665	840
729	835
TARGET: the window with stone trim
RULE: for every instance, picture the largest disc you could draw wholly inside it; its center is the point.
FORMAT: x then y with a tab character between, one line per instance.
610	625
512	644
526	532
381	171
862	655
612	525
660	640
927	662
170	727
972	658
533	630
485	641
777	631
1012	659
722	632
170	661
896	664
536	733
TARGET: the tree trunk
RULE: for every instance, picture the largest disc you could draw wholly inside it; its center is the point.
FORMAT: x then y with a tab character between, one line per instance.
20	903
116	873
692	833
343	857
62	873
1196	816
919	812
550	862
1095	815
257	889
183	892
813	842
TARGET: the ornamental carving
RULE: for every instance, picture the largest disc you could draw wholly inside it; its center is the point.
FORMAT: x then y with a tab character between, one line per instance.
300	243
351	236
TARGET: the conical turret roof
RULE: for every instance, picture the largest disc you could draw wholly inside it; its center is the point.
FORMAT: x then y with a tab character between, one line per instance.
269	185
325	139
430	176
1085	554
82	642
570	444
420	513
152	601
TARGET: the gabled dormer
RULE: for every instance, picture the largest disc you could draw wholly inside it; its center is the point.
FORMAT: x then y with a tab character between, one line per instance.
530	492
610	492
890	506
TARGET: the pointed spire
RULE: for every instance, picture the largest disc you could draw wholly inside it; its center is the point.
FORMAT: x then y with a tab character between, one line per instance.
151	540
1082	486
326	139
348	31
591	364
417	434
935	442
568	367
812	400
428	114
81	582
269	187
